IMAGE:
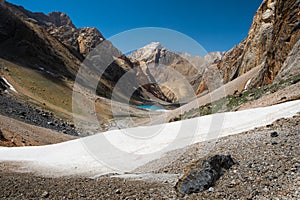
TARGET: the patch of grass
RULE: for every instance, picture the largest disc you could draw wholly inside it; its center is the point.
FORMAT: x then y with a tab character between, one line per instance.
41	89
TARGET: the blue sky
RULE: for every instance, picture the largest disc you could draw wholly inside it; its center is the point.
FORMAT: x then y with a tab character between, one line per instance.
217	25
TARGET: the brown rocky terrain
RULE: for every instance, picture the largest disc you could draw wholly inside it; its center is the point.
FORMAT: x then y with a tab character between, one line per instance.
178	74
272	43
16	134
44	53
50	49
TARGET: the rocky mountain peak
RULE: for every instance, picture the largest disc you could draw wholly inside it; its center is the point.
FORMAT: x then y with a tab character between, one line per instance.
59	19
88	39
58	24
153	46
147	52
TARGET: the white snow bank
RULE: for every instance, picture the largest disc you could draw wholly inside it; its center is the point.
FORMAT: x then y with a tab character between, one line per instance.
120	151
10	86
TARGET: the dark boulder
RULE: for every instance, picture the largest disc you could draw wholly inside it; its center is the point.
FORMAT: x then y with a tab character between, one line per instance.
203	174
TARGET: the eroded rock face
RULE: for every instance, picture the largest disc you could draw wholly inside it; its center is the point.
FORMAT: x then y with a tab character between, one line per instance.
272	37
88	39
291	66
59	25
59	19
177	74
83	40
203	174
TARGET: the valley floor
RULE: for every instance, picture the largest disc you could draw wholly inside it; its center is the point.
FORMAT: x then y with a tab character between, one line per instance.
268	168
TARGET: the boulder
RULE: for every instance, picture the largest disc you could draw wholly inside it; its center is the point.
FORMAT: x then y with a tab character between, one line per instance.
203	174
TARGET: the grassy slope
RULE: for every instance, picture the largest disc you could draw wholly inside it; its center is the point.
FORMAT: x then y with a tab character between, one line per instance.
234	102
40	88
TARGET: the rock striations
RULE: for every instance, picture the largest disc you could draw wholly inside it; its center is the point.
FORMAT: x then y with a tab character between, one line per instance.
272	44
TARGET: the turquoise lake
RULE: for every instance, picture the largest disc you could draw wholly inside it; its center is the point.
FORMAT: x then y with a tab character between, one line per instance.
151	107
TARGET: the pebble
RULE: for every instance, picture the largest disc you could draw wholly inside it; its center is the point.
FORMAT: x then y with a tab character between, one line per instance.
118	191
45	194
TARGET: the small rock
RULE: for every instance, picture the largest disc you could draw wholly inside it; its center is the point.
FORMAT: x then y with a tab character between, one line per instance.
274	134
50	123
266	189
45	194
211	189
118	191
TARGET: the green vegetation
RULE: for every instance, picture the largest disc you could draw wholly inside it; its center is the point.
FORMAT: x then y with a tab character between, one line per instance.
233	102
41	89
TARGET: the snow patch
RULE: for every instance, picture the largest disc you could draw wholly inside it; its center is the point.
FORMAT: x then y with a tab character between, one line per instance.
104	153
10	86
247	84
146	52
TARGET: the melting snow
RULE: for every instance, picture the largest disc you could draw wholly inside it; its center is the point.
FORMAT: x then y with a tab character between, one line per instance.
121	151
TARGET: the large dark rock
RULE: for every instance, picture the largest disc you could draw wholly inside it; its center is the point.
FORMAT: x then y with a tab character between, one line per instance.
203	174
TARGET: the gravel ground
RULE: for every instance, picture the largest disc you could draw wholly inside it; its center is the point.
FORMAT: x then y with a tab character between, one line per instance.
11	107
268	168
16	133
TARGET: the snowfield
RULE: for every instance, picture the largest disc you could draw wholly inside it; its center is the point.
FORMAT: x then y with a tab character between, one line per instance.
120	151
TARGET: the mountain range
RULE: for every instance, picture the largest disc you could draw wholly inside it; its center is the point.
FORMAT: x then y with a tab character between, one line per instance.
60	83
50	49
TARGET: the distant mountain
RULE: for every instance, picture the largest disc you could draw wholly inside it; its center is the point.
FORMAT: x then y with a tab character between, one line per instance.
178	73
52	42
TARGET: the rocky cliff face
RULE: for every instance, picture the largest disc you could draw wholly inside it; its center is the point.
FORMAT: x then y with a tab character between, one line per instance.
83	40
272	43
59	25
30	45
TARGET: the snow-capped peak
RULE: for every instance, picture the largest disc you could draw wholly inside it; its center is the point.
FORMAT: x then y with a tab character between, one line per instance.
153	46
146	52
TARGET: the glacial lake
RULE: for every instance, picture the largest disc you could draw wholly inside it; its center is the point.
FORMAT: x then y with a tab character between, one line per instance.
151	107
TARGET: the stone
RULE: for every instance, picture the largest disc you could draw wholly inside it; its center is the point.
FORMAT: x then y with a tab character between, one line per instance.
203	174
274	134
45	194
1	136
118	191
50	123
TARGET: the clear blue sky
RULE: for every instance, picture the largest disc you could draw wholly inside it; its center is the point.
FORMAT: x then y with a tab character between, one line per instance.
217	25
